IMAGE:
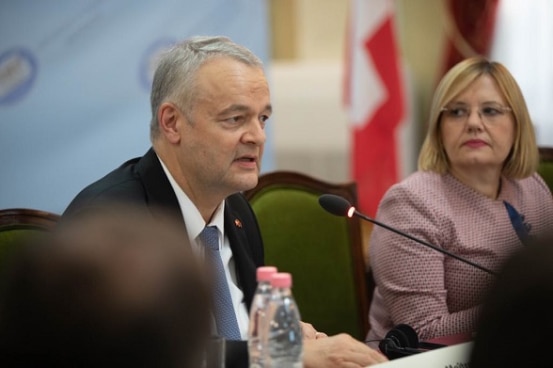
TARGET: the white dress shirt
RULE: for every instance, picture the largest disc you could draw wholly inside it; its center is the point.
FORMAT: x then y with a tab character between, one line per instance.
194	226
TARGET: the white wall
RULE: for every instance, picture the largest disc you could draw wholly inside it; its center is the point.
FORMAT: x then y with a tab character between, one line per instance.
310	131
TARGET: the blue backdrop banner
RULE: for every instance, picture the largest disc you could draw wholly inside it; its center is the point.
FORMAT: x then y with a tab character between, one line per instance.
75	80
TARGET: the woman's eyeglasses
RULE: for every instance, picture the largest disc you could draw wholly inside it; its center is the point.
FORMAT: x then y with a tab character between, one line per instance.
488	113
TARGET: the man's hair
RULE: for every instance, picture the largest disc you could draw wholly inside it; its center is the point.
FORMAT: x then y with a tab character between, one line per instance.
109	288
174	78
515	323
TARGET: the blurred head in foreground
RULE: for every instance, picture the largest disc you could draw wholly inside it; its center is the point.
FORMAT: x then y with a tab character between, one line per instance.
106	289
517	320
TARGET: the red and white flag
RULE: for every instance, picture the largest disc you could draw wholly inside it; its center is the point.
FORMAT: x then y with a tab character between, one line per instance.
374	98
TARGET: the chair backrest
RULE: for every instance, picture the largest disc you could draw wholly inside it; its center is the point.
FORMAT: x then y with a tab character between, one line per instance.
17	223
323	252
545	168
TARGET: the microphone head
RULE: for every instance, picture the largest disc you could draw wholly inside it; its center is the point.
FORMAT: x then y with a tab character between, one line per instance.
336	205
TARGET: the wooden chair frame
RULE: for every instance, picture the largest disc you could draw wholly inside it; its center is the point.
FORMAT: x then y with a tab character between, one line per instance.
348	191
23	218
546	153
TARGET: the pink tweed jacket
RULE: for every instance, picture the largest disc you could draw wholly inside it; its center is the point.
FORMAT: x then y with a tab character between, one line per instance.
435	294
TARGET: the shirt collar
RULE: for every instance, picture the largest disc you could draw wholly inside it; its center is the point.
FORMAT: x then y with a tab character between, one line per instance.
192	218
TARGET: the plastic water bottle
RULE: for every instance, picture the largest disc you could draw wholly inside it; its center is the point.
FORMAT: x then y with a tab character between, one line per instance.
258	328
285	345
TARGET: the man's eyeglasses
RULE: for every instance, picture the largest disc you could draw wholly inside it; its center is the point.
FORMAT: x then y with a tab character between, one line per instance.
488	113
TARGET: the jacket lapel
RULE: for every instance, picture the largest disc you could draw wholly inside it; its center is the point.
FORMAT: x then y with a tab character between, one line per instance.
244	265
160	196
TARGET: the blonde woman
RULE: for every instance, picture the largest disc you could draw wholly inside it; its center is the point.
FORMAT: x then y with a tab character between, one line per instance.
476	194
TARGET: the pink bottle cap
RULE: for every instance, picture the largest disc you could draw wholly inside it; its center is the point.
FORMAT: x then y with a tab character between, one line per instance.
264	273
281	280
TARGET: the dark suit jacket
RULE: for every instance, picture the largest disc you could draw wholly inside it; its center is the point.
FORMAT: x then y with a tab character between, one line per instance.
142	181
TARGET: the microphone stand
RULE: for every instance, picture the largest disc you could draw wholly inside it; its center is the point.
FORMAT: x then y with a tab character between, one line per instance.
367	218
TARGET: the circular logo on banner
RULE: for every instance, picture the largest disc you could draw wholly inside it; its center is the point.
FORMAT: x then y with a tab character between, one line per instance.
150	59
18	69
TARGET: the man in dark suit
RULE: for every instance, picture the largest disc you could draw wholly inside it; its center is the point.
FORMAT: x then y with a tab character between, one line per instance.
210	102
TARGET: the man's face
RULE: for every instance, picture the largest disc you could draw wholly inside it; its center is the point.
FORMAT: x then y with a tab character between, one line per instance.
222	144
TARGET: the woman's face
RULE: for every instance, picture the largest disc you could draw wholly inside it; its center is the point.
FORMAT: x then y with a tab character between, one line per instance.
478	128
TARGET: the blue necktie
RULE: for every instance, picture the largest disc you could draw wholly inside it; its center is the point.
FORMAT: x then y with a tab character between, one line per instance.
225	317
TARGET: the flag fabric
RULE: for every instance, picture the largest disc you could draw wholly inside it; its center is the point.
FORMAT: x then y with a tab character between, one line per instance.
374	97
470	29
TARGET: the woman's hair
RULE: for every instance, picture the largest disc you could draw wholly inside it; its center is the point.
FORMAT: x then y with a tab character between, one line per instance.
174	78
522	161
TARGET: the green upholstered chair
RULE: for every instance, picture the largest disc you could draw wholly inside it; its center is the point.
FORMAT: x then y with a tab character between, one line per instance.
18	223
545	168
323	252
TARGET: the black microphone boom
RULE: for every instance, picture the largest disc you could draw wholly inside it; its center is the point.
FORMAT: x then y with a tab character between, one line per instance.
339	206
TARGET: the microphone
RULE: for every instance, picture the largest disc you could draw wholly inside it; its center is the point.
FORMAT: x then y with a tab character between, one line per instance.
339	206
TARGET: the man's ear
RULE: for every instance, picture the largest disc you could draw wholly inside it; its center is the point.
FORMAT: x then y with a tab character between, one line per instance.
169	119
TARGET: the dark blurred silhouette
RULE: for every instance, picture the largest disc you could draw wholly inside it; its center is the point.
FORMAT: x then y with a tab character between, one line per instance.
516	324
109	288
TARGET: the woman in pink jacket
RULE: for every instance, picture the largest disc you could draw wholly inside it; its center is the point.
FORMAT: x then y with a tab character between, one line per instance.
476	195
